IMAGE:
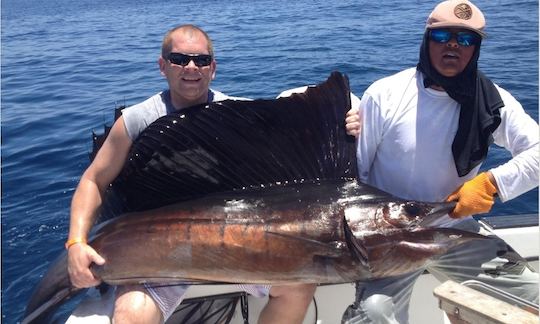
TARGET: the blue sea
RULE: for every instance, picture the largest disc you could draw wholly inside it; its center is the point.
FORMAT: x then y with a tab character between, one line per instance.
65	65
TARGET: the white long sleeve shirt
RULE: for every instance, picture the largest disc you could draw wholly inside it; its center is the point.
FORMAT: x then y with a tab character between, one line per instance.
405	146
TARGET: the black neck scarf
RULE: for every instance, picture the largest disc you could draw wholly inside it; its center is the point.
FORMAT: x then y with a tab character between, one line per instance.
480	103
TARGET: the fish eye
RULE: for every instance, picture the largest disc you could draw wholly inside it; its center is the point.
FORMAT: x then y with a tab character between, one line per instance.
412	209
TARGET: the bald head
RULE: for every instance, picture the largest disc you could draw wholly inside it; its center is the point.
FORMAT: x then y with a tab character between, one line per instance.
187	31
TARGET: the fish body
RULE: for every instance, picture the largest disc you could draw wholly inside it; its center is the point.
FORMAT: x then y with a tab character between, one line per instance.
260	191
325	232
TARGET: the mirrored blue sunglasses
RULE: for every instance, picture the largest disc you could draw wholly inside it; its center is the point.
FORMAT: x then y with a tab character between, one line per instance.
463	38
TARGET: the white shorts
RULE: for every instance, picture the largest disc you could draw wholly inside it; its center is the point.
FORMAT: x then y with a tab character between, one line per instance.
169	297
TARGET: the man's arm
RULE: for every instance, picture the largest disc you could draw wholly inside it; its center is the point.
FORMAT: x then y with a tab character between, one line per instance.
518	133
88	199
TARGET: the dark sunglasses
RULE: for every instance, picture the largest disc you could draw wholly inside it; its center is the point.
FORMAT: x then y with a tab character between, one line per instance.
184	59
463	38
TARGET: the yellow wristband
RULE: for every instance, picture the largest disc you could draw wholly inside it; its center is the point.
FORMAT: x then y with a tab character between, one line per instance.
73	241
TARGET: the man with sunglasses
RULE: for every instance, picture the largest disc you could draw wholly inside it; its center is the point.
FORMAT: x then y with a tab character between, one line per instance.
423	134
187	62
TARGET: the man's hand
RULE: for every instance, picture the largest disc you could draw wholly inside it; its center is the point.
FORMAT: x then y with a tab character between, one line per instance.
80	257
475	196
352	122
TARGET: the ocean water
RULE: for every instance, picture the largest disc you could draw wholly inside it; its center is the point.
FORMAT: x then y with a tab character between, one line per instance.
65	65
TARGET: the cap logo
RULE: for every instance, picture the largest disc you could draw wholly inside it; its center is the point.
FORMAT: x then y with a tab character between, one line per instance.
463	11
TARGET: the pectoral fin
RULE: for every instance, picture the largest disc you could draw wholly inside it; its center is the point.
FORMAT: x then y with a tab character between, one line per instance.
356	247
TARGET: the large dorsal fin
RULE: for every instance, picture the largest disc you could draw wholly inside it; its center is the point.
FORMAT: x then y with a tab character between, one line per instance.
236	145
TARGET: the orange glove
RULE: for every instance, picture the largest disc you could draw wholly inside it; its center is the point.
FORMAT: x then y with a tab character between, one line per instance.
475	196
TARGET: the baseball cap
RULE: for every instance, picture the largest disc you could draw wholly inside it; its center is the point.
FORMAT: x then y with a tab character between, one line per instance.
457	13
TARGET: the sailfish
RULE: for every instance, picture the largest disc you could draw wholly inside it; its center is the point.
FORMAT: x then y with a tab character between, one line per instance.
261	192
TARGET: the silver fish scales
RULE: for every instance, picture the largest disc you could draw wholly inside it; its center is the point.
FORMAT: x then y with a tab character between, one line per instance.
326	232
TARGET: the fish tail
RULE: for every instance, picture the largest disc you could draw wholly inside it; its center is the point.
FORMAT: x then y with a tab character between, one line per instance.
52	291
47	308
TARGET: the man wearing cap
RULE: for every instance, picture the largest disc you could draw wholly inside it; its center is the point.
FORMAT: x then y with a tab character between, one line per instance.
424	133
